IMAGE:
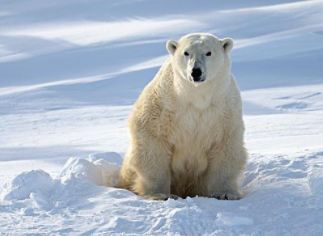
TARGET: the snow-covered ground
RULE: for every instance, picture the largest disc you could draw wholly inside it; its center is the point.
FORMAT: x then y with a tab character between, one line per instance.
69	74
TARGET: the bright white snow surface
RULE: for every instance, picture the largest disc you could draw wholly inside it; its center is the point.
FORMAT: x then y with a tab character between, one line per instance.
70	72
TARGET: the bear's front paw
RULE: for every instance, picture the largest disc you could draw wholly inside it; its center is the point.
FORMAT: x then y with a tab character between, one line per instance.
161	197
226	196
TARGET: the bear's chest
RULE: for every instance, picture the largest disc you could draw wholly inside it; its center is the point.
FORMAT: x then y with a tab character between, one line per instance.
193	134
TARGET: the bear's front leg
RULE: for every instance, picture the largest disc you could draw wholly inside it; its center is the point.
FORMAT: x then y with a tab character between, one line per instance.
150	158
154	185
226	164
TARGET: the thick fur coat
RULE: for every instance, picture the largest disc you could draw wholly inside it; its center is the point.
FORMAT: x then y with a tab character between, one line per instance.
186	137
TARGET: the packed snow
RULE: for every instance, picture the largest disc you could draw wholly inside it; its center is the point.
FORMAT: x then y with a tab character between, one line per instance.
70	72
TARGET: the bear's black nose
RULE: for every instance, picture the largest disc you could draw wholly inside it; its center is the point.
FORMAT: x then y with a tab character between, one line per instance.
196	74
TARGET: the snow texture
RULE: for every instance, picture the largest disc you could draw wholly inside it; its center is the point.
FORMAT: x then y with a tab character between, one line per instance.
70	72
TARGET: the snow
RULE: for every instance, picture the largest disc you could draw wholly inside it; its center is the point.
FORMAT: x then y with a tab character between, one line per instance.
98	172
230	219
26	183
70	72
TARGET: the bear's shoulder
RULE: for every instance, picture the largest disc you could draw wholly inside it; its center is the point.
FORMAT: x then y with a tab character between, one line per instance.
155	106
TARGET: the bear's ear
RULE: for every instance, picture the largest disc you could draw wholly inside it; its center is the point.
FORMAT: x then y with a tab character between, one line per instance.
227	44
171	46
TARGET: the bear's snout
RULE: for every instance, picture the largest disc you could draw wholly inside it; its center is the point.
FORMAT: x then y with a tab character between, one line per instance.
196	74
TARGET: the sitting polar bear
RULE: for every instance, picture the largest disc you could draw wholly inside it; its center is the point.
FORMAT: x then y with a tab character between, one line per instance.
186	128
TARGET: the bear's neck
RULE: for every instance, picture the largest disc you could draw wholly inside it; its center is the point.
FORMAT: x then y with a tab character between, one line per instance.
203	95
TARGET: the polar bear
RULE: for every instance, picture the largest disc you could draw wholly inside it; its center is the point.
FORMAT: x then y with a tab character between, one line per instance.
186	129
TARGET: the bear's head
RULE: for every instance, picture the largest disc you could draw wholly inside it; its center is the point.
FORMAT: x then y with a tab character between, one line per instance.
200	57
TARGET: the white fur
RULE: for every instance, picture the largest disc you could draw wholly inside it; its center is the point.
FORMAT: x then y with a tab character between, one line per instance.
187	137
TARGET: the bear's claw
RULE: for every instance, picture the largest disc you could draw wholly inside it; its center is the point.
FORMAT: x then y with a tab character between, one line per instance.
226	196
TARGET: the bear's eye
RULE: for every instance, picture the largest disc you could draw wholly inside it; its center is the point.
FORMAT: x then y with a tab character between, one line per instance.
208	54
186	54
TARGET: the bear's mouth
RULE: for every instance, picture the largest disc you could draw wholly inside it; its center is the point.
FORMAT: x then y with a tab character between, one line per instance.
197	80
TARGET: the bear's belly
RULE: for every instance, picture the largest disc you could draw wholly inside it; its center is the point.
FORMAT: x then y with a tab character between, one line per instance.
188	169
193	136
190	161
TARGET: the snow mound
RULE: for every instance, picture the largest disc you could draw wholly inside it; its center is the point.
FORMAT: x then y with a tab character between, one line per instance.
36	189
82	169
27	184
98	170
